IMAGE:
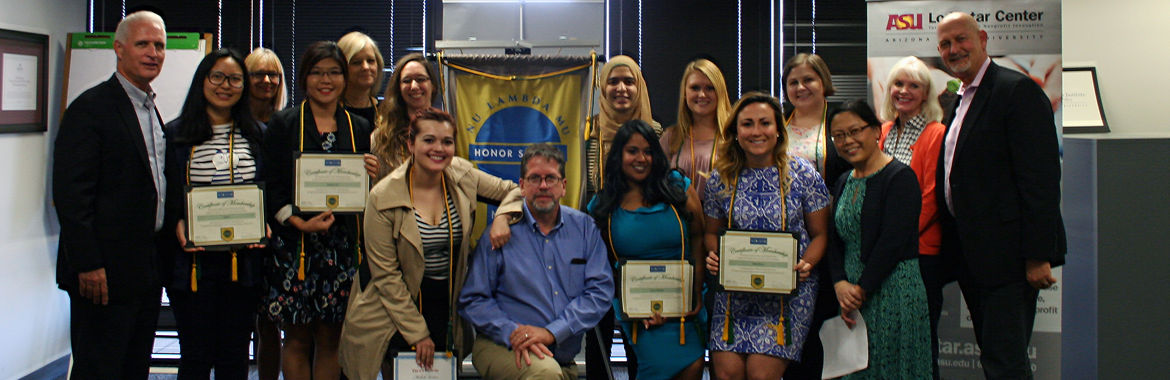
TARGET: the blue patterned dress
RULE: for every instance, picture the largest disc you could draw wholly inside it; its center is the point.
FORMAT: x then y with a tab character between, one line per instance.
757	205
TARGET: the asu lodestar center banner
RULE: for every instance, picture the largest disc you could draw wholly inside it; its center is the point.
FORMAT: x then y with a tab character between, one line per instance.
1023	35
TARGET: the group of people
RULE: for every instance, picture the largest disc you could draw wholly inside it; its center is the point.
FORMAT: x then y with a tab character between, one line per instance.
884	215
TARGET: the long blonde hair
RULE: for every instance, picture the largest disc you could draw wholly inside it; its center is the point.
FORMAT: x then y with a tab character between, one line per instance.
266	57
353	43
685	119
389	138
918	71
732	159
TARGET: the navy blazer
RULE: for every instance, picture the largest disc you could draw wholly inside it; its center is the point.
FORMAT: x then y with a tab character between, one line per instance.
1005	181
104	194
889	224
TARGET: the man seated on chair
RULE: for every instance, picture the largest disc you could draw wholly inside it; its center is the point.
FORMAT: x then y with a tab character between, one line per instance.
532	300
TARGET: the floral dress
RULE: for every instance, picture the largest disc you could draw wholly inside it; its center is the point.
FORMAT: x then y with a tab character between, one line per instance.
754	316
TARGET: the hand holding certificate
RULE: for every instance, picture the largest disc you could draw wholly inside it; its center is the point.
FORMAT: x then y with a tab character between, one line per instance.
225	215
336	182
406	367
762	262
649	287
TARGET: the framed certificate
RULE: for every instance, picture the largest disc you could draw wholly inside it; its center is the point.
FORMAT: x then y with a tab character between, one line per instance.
331	181
1081	101
225	215
762	262
656	286
405	368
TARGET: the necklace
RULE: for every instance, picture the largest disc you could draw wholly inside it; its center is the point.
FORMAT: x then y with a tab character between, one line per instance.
819	148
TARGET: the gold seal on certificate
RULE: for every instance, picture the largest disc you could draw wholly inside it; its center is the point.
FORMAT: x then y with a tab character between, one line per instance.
761	262
225	215
649	286
328	181
405	367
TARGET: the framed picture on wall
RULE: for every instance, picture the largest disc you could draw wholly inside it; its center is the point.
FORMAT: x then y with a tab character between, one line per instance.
1081	101
23	81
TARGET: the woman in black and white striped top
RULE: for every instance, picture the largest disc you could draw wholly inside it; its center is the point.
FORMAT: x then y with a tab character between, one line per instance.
214	141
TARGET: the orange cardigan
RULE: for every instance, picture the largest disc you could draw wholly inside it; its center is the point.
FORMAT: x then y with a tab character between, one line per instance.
924	162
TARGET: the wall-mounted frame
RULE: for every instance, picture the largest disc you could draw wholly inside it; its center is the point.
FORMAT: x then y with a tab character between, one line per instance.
1081	101
24	67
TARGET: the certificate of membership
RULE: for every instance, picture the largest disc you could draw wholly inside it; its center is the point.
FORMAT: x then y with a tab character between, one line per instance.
656	286
225	215
405	368
335	182
760	262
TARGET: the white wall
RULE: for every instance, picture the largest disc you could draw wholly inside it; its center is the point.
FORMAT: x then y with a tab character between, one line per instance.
35	320
1126	41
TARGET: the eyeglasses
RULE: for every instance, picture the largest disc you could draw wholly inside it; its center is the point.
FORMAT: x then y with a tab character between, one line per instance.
550	180
271	75
420	79
217	78
852	133
330	73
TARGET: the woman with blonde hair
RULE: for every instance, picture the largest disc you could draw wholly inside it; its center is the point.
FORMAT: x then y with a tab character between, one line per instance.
757	185
268	93
365	75
913	136
414	86
703	106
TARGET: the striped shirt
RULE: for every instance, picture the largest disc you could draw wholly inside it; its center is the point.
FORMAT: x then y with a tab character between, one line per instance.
210	161
437	244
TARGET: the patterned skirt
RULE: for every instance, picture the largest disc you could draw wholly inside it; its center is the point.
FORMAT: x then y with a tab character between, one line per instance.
323	294
754	320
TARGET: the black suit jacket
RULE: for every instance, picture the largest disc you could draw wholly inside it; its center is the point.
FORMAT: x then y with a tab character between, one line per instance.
1005	181
104	193
889	225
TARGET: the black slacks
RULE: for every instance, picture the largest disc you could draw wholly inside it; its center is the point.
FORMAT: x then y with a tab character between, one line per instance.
1002	317
113	341
215	329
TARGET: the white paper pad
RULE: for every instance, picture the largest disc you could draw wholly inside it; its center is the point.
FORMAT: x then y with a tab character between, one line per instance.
846	350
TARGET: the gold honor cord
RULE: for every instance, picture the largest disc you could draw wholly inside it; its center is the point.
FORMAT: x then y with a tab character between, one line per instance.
231	179
820	149
450	249
682	336
301	148
779	326
695	173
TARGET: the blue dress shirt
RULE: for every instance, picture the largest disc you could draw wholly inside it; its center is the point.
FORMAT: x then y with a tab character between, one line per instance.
560	281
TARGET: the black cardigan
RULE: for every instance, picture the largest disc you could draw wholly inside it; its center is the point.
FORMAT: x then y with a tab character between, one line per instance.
889	225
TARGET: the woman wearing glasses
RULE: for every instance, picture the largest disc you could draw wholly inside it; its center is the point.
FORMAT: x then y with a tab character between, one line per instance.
758	186
873	249
914	137
648	212
215	141
413	87
418	224
268	93
365	75
315	255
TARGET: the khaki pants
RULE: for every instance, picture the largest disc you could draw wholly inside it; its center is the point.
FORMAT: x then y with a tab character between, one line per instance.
496	362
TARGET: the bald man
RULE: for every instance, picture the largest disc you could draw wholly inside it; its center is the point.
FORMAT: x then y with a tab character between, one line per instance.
1000	213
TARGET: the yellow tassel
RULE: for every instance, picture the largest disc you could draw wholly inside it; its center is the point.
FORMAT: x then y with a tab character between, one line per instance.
634	338
727	321
449	354
780	326
682	331
235	271
194	274
301	270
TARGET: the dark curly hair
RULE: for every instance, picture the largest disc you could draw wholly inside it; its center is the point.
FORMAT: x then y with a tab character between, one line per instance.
656	188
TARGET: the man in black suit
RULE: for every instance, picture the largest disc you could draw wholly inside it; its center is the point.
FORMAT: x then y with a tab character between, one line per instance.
1001	210
108	188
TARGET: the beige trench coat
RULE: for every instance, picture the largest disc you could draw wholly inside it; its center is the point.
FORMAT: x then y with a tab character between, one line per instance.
395	259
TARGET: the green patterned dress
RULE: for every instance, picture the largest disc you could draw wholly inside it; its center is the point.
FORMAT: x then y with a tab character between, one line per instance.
896	316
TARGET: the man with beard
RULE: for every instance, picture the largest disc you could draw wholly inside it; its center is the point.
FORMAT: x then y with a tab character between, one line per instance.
532	300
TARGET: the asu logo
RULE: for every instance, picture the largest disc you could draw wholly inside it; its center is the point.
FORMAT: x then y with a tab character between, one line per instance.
904	22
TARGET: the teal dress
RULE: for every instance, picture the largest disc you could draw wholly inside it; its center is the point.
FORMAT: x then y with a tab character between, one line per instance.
895	316
652	233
